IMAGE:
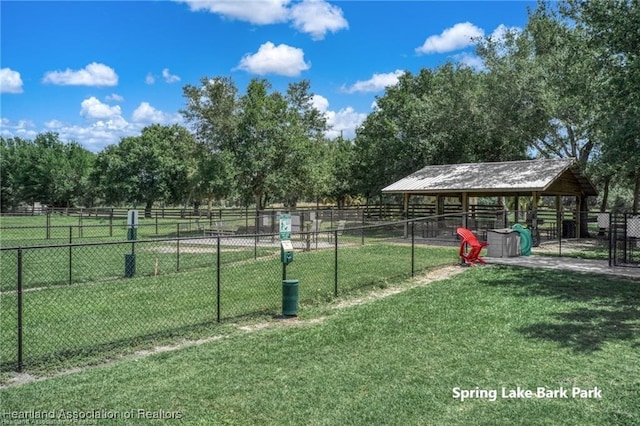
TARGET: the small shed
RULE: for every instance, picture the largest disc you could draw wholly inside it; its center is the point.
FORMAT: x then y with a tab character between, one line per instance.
534	178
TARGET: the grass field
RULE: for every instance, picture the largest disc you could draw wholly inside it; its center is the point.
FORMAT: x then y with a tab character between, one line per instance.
99	318
398	360
61	229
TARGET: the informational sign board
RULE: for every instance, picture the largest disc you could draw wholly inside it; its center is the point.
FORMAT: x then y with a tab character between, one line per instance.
285	226
132	218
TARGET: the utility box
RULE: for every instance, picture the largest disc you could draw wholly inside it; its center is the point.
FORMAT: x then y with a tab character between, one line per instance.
286	252
503	243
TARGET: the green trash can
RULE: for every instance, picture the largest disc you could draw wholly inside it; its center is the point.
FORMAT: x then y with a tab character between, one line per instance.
129	265
290	297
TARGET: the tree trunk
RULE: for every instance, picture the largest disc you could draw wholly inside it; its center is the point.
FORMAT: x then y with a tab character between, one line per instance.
258	197
147	209
636	194
605	194
209	206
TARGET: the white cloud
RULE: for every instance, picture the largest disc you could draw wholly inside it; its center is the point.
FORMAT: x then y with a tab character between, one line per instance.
114	97
93	109
270	59
341	123
105	125
501	32
320	103
314	17
259	12
317	17
147	114
344	122
168	77
376	83
470	60
25	129
458	37
10	81
94	74
149	79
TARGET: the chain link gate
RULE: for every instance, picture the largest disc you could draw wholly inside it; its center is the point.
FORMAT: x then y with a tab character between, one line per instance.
625	240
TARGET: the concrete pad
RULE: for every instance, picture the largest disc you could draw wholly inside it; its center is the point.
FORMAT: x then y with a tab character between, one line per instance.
588	266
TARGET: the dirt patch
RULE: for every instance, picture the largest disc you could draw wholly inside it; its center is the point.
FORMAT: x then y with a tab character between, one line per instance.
429	277
172	249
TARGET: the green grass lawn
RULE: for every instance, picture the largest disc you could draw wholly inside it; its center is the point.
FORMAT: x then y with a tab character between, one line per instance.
32	230
393	361
106	315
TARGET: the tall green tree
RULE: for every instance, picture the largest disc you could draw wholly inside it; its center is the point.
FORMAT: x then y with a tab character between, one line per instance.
612	28
45	170
549	79
438	116
272	139
149	168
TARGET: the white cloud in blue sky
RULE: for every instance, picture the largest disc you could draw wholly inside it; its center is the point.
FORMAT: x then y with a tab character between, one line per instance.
271	59
92	108
168	77
94	74
259	12
73	75
343	122
458	37
376	83
10	81
317	17
313	17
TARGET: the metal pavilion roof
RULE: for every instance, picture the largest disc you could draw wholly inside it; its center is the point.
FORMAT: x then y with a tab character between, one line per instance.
551	176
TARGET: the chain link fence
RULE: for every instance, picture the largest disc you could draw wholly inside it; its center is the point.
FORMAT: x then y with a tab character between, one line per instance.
91	301
625	240
82	302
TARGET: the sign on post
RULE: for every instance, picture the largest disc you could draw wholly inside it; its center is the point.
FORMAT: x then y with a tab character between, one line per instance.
132	224
285	226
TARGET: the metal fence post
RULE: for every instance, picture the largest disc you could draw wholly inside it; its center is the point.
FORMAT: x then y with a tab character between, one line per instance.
111	223
70	253
19	294
362	229
218	277
611	240
257	225
413	248
48	222
335	269
177	255
80	233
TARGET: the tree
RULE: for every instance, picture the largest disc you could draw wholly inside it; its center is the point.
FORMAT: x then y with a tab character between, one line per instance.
271	139
550	81
612	27
439	116
45	170
152	167
340	185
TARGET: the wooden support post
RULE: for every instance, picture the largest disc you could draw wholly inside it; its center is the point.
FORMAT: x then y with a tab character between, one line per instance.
465	209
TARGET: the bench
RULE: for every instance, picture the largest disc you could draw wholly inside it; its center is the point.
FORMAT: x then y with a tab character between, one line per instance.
219	229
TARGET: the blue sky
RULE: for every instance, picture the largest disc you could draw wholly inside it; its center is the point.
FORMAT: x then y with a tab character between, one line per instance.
97	71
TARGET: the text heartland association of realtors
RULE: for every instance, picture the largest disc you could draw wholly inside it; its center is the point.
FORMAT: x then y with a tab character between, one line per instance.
520	393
